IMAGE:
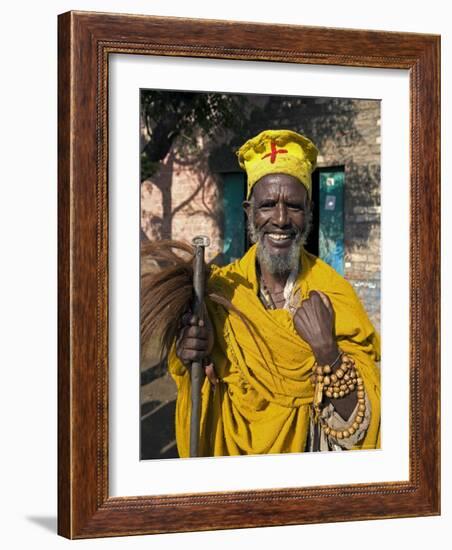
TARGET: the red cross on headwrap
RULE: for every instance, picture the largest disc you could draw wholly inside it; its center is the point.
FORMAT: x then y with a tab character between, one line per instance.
274	152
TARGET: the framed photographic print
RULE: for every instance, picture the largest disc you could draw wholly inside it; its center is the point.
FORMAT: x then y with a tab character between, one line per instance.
201	188
165	125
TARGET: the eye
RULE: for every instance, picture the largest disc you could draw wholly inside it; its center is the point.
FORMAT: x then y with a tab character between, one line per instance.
296	207
267	204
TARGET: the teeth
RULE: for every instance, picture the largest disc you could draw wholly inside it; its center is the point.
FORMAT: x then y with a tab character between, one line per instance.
278	237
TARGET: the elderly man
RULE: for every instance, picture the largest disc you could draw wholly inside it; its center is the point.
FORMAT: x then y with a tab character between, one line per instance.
291	365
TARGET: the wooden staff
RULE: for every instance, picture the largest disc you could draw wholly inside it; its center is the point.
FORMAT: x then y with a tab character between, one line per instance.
197	371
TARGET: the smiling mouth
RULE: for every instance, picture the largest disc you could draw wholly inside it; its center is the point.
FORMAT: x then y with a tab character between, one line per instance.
280	238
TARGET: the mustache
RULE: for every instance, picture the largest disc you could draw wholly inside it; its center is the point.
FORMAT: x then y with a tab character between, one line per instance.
294	232
300	235
257	235
274	262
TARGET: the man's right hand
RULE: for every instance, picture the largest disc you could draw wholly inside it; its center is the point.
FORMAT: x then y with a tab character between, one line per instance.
195	343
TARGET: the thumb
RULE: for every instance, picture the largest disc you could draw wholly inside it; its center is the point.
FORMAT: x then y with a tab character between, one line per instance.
211	373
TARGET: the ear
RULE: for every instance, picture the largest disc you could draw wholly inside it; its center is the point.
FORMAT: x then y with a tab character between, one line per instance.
246	205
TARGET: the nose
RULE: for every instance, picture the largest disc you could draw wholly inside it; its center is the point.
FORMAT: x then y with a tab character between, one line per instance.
281	215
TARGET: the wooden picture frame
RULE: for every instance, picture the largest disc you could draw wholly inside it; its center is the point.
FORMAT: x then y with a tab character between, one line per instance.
85	42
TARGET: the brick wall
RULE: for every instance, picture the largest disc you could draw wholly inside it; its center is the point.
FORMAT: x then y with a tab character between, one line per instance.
184	197
181	201
347	133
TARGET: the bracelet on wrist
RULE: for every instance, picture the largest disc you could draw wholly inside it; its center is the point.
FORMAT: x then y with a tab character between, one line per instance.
336	385
353	424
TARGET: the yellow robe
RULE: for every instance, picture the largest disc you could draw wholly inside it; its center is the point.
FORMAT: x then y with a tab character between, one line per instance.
262	403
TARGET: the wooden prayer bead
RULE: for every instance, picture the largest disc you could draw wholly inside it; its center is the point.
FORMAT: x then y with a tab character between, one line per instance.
337	385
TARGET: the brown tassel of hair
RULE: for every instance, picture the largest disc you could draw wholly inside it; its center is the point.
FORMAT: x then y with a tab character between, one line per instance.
167	293
166	290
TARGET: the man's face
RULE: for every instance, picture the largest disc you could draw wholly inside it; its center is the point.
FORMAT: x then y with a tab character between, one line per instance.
278	215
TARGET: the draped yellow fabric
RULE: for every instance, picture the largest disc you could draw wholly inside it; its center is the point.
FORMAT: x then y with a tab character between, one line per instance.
262	403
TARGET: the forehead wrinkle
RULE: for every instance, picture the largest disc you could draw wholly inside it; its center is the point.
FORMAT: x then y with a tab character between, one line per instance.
271	191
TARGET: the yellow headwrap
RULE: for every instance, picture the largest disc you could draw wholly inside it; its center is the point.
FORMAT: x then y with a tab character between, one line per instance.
278	152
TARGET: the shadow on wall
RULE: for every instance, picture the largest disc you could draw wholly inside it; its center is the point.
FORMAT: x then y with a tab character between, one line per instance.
362	217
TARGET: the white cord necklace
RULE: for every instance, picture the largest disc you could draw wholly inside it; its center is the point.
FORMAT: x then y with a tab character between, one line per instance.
288	292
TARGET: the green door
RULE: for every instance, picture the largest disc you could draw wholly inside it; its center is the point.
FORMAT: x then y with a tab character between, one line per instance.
234	230
331	218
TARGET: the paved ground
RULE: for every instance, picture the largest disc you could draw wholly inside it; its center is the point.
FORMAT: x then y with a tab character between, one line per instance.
158	400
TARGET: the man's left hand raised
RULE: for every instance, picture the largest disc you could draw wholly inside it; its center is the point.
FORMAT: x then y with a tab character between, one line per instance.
314	322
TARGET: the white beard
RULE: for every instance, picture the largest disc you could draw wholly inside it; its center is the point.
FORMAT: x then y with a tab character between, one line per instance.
275	263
